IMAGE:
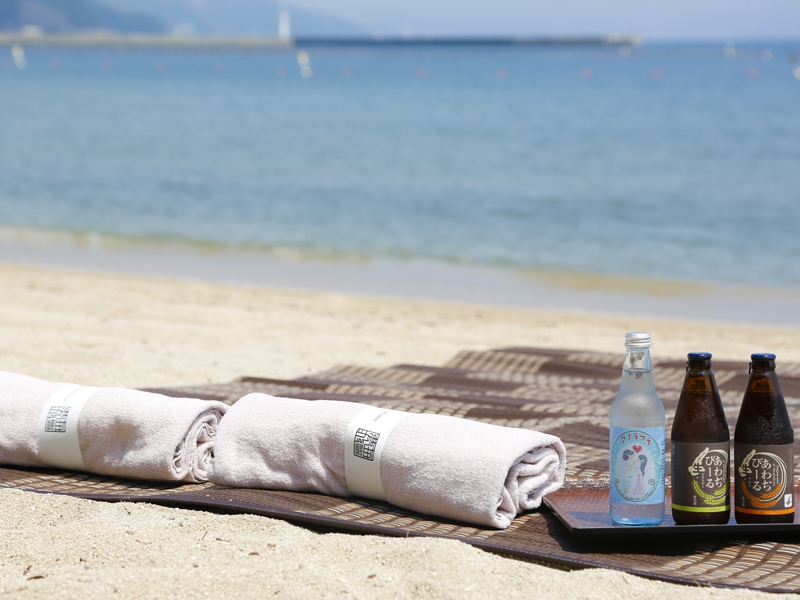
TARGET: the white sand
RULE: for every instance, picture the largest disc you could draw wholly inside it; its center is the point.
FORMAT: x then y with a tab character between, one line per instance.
137	331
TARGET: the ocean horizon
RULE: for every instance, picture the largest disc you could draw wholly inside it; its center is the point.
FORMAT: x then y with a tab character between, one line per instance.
670	163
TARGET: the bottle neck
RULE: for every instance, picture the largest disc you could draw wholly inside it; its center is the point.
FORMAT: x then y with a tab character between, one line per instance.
637	373
637	360
698	364
762	364
763	417
699	416
763	381
699	378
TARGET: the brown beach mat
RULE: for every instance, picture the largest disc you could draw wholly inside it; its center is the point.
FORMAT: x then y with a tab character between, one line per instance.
561	392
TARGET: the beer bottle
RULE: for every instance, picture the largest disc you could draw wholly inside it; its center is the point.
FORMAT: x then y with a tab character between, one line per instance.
763	452
637	440
700	449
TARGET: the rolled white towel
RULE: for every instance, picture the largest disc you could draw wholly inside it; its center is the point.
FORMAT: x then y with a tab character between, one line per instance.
445	466
120	432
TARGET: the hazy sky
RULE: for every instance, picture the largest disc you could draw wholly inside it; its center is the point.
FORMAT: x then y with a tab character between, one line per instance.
653	19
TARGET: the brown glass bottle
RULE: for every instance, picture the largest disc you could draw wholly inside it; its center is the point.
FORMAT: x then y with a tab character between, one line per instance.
763	454
700	449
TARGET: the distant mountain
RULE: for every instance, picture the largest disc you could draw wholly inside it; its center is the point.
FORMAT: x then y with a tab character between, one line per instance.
60	16
236	17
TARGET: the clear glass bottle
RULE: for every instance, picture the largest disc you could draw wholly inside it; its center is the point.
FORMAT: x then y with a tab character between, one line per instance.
637	444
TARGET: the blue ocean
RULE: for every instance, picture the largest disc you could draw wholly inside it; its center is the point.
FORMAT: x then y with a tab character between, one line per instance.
676	162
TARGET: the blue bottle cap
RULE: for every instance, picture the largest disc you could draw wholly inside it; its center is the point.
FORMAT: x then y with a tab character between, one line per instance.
762	356
699	355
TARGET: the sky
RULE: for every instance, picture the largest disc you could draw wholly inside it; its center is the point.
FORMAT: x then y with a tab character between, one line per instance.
652	19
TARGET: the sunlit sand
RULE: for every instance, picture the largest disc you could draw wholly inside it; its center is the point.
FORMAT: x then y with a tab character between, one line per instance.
125	330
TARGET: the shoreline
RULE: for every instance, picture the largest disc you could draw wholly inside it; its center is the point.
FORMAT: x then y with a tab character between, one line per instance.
413	278
133	330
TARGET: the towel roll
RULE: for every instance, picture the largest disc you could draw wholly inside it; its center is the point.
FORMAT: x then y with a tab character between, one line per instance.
433	464
123	433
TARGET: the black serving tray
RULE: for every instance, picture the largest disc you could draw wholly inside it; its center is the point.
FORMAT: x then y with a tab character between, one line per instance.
582	506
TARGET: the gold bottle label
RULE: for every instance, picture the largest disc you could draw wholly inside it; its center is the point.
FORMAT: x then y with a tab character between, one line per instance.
764	479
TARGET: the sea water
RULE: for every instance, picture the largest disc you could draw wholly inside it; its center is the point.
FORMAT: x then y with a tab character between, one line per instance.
558	159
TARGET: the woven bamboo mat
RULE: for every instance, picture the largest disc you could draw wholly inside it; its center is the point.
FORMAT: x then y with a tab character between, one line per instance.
562	392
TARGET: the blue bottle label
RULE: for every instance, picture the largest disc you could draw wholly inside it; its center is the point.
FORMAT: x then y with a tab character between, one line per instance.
637	465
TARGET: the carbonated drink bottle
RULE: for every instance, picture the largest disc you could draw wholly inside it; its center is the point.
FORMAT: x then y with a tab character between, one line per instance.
763	449
701	445
637	440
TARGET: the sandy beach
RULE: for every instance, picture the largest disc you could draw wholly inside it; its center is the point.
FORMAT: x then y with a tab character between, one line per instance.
139	331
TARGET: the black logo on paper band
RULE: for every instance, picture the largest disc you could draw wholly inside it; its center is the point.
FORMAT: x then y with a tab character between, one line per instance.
365	443
56	421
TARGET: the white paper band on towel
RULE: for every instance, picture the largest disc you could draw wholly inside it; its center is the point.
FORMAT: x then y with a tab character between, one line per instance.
363	447
58	427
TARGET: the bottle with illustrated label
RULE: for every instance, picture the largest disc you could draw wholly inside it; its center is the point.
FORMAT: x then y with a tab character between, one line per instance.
763	453
701	444
637	440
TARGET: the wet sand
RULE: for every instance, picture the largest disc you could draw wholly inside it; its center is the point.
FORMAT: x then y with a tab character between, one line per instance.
416	279
137	331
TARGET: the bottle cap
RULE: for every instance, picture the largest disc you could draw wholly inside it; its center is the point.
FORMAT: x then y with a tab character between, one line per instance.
762	356
698	355
637	339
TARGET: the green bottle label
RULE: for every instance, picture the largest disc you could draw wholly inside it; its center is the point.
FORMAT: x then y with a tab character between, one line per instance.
701	477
